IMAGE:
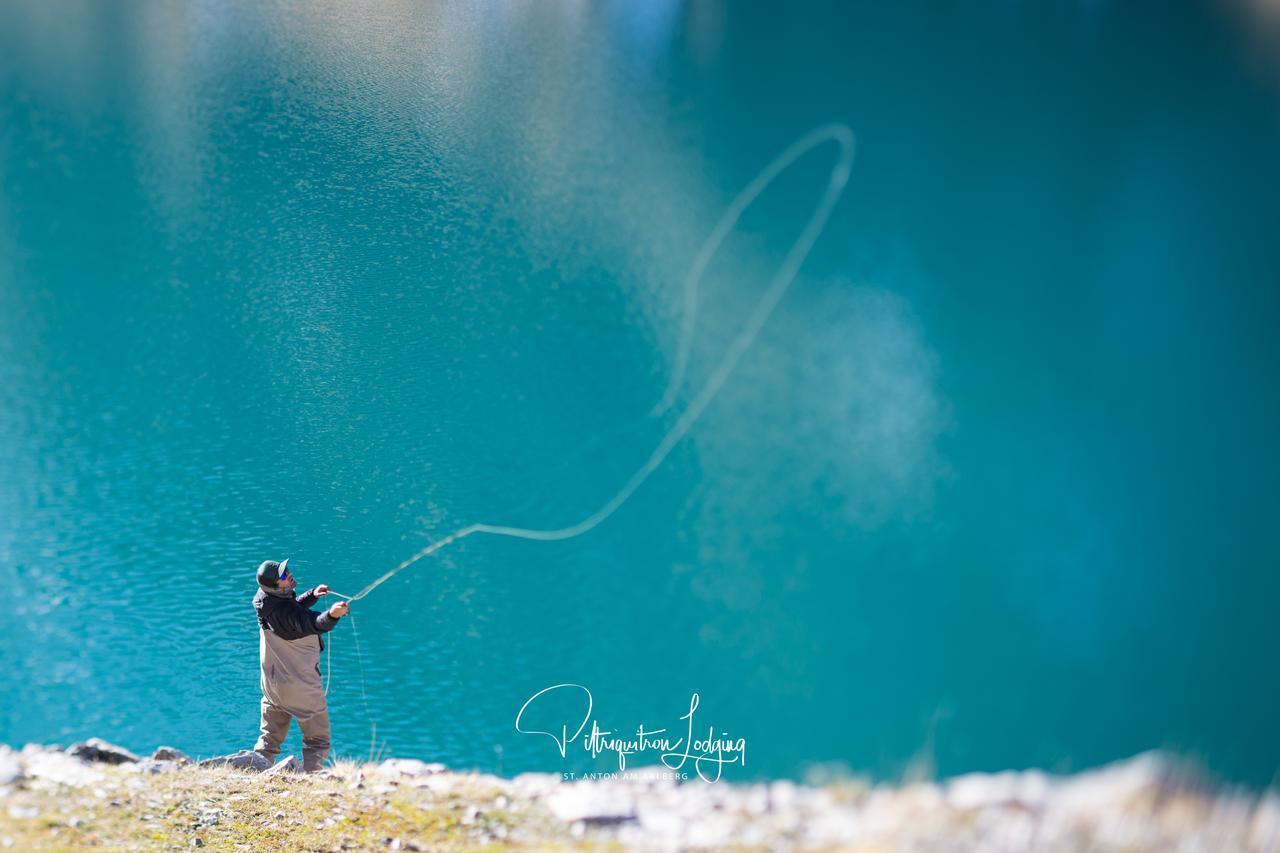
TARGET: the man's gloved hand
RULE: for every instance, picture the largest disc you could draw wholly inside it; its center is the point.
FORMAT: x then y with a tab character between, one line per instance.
322	589
340	609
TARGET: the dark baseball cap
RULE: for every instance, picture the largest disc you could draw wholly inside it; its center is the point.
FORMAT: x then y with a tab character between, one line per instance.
270	571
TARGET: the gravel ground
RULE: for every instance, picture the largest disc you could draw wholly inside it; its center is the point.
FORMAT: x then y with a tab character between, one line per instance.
96	794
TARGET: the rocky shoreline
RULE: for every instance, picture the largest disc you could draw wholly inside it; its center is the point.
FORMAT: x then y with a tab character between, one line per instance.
95	793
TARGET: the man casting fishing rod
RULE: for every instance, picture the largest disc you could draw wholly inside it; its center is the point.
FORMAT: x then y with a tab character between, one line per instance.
289	650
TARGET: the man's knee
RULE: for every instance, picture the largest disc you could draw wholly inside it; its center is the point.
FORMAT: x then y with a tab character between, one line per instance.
315	731
315	741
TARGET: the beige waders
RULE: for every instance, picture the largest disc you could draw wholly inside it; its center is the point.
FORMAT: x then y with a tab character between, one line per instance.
291	687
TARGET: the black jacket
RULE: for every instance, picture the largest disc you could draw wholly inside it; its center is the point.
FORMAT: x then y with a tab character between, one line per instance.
291	618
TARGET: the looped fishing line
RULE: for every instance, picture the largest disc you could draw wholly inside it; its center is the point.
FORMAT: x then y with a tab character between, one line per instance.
763	309
786	273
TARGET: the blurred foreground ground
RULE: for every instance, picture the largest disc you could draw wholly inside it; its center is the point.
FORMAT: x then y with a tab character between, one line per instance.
97	795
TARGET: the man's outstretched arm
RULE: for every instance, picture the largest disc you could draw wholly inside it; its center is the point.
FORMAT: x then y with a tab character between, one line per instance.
292	623
309	597
328	620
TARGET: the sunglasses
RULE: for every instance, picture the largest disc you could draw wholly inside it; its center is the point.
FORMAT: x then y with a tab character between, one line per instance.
284	575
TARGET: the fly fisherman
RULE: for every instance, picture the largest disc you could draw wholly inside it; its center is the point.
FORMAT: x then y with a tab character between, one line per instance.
289	650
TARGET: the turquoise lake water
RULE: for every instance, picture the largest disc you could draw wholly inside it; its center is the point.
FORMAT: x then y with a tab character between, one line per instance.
994	487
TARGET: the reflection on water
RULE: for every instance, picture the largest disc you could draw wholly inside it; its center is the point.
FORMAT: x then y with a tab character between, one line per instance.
328	281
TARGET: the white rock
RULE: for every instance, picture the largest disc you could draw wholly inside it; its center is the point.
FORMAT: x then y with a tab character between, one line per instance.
591	803
713	830
981	790
247	760
10	767
1264	829
169	753
409	767
1115	785
151	766
96	749
1229	810
282	768
782	795
659	823
833	826
534	785
61	768
441	784
755	800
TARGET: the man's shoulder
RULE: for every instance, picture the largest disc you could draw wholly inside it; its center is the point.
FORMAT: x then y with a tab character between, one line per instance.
262	600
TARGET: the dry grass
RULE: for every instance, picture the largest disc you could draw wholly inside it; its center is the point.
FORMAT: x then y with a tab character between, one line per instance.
218	809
